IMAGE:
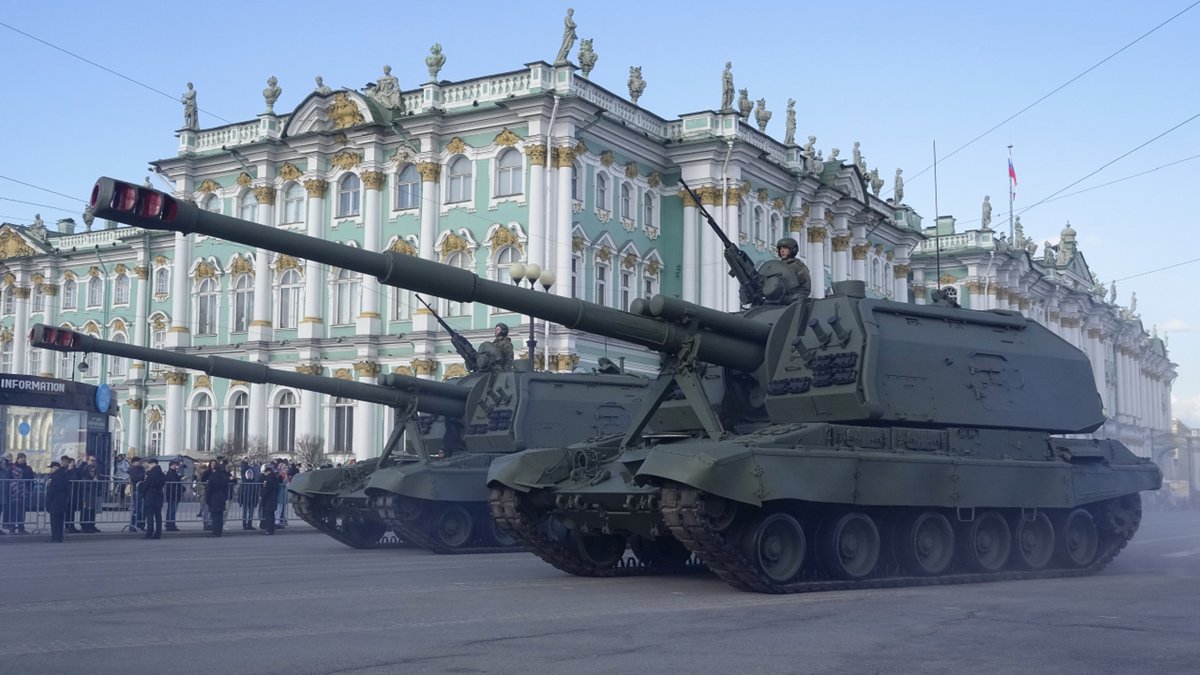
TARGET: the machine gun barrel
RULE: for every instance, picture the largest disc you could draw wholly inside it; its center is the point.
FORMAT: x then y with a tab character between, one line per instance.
148	208
461	344
433	397
741	267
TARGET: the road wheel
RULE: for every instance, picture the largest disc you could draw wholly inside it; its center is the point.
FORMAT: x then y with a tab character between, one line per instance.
925	543
775	544
848	545
600	551
1034	542
490	530
452	527
986	542
661	552
1078	540
362	533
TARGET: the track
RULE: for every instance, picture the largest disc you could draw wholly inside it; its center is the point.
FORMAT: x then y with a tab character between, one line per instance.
328	524
416	530
682	508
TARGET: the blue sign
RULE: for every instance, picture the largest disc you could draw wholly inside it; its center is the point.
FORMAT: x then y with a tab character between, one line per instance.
103	398
24	428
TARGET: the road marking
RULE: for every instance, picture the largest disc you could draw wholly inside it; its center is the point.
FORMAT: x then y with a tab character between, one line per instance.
1155	541
1182	554
1109	617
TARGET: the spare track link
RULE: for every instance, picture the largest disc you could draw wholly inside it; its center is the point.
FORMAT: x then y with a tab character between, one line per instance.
411	531
303	508
682	508
523	526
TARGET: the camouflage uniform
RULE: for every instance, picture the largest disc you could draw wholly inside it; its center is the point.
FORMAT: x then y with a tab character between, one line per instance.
504	346
804	289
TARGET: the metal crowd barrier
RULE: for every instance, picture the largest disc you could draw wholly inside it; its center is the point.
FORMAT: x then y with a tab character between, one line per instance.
112	506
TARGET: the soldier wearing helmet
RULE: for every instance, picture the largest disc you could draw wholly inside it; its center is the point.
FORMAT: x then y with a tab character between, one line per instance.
504	346
788	248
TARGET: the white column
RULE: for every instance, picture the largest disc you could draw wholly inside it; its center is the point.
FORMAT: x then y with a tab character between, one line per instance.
841	257
365	415
21	294
859	261
733	229
900	282
141	300
369	320
691	271
173	441
179	334
260	326
50	317
1095	353
313	323
816	259
537	207
430	201
977	293
562	226
920	293
310	406
710	257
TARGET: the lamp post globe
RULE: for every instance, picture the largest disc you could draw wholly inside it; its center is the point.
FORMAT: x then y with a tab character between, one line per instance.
532	272
547	280
516	272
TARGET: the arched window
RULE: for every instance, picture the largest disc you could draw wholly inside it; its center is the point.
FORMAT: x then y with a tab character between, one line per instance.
602	285
626	288
408	188
648	211
461	260
69	295
154	439
348	195
248	206
212	203
626	201
95	292
293	204
402	303
459	187
33	361
6	356
158	335
39	299
243	303
875	273
202	417
505	257
602	193
649	286
121	290
773	236
758	218
206	307
241	419
285	427
343	425
576	182
345	298
90	359
576	273
162	281
509	176
117	366
66	364
290	286
10	301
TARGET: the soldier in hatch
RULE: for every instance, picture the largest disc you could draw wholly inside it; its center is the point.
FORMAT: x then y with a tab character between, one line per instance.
788	248
504	346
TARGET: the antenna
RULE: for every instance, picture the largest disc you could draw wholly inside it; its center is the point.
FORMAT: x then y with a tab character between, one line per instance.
937	229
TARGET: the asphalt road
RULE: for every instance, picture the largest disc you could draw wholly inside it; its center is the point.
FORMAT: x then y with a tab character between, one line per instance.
303	603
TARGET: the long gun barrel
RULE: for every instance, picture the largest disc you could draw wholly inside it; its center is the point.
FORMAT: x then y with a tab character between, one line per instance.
151	209
740	265
435	398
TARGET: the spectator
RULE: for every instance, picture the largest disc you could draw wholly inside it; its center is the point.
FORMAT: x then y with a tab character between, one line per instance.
137	474
174	493
58	499
75	502
270	498
20	475
201	493
152	499
5	466
121	474
216	491
247	499
89	474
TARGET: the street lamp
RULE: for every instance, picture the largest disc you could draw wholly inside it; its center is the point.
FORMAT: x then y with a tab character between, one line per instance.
519	272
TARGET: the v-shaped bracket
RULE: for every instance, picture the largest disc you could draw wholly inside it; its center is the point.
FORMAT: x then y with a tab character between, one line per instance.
681	371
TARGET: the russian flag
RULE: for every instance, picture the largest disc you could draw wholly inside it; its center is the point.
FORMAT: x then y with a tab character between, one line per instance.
1012	174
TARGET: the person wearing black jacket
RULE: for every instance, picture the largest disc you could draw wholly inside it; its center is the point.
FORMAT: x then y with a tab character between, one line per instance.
174	493
58	500
152	499
247	499
216	492
137	474
68	466
89	472
270	499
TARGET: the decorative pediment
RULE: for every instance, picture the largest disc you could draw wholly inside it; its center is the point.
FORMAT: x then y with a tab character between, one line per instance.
319	113
654	180
244	180
202	382
455	370
346	160
504	237
209	186
629	261
289	172
456	146
506	138
631	170
343	112
404	247
606	158
652	268
92	328
343	374
205	271
160	260
604	254
452	243
119	325
287	262
241	266
13	245
947	279
121	269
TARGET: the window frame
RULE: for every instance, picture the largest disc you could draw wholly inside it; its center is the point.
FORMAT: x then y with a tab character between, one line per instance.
347	291
243	303
121	290
407	193
70	295
208	292
462	182
349	200
95	292
510	176
293	201
248	206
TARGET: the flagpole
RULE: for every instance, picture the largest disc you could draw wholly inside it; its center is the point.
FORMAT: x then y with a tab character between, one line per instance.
1011	232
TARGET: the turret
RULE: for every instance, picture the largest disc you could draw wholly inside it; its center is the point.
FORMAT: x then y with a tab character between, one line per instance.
397	391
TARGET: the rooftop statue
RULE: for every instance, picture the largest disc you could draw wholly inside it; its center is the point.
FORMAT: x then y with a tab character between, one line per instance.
1112	297
568	40
986	220
789	137
587	57
435	61
808	150
38	229
387	90
1133	303
876	182
88	218
727	88
1020	241
636	84
1048	256
859	161
321	88
271	94
745	105
898	189
833	155
191	116
762	115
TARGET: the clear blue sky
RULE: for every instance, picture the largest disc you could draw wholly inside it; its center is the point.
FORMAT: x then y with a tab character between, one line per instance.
895	76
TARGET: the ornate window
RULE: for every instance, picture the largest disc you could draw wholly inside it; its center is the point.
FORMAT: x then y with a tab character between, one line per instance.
505	257
91	370
602	192
285	427
117	366
648	211
241	419
343	425
626	289
69	294
95	292
602	285
875	273
212	204
576	282
758	218
202	417
402	304
626	201
293	204
206	307
10	301
510	179
39	299
6	356
243	303
775	227
461	260
649	286
408	188
290	306
248	206
33	362
459	186
576	182
121	290
154	439
348	195
66	364
162	281
345	298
